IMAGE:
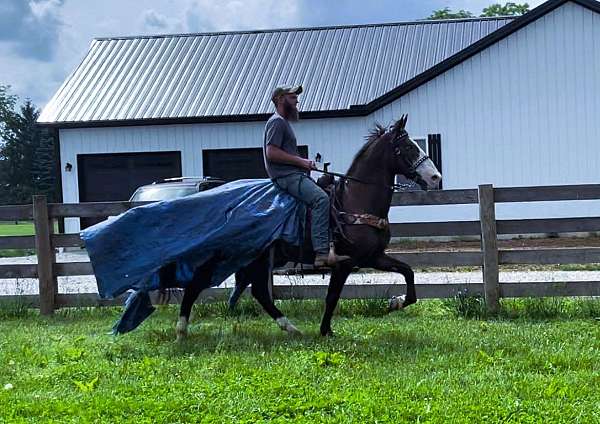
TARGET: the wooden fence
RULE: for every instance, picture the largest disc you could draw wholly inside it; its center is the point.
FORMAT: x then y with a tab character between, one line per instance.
489	257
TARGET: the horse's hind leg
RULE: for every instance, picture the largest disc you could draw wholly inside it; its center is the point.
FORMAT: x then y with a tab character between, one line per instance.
259	271
387	263
200	281
242	281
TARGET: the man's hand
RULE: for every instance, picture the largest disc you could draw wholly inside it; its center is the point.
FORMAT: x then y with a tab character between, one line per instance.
308	164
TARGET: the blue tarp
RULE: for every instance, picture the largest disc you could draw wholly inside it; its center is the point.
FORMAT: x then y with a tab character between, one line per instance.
233	223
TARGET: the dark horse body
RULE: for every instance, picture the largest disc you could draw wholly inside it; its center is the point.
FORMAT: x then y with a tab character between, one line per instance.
386	154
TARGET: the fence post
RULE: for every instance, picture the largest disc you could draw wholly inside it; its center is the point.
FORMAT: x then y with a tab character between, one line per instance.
489	247
45	255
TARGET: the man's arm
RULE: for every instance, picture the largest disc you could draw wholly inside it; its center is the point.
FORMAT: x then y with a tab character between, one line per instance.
275	154
275	130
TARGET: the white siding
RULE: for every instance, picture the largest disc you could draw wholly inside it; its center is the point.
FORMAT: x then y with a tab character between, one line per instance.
522	112
336	139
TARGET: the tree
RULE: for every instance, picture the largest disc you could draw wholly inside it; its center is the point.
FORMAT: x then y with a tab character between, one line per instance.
8	120
7	114
446	13
509	9
20	142
27	154
7	102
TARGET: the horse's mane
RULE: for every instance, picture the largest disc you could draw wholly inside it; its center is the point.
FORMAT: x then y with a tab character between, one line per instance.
374	134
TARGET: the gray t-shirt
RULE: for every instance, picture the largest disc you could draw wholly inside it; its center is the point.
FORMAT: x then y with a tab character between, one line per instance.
279	133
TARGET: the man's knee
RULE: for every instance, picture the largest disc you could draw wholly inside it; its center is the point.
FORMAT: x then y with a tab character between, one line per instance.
320	201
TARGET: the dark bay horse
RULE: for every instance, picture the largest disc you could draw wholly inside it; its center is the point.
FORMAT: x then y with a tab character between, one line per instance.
364	203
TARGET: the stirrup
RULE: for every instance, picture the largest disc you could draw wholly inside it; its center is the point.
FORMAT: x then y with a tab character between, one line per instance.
331	259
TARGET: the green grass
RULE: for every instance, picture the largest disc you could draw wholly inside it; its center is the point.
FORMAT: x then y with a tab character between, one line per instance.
537	362
23	228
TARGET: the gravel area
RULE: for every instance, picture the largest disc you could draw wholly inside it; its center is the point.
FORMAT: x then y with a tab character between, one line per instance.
87	284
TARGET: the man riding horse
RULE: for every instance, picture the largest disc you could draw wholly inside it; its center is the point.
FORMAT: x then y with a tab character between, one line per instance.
291	173
196	242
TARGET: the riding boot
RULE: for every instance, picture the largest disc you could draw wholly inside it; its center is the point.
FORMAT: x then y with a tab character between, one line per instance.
329	259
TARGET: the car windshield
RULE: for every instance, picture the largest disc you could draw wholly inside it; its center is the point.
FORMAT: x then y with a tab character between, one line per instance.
153	194
210	185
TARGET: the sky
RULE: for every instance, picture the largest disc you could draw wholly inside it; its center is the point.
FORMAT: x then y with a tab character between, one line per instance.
43	41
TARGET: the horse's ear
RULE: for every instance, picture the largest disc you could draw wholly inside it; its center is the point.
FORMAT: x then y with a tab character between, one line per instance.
401	122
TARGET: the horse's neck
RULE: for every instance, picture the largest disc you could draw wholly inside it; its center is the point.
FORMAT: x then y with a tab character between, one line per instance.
374	198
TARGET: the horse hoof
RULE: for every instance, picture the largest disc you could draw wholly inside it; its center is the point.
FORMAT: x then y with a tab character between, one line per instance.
396	302
294	331
327	333
408	302
181	329
287	326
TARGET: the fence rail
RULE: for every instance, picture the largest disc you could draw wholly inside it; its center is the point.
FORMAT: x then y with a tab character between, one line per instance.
489	257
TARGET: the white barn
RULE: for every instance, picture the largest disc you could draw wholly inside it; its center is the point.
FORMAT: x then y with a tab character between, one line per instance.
512	102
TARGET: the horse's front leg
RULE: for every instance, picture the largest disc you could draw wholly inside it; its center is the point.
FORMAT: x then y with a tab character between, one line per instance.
336	283
387	263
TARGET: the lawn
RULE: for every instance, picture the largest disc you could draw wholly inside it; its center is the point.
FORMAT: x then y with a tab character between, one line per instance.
428	364
23	228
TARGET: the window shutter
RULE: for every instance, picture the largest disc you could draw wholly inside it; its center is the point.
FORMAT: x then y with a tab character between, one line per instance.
434	148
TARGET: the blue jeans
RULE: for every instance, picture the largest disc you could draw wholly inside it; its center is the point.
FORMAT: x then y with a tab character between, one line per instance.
303	188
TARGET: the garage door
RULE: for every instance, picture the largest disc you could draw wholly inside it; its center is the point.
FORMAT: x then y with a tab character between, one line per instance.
237	164
115	176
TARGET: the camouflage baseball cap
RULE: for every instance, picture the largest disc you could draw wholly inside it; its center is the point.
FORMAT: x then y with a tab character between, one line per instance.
286	89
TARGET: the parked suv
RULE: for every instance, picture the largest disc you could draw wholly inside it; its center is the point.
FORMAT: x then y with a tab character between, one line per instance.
173	188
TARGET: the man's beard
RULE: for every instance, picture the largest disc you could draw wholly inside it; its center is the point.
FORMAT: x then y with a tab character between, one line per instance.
291	112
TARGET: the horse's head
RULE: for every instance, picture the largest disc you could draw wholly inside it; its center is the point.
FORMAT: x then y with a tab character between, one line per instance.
409	160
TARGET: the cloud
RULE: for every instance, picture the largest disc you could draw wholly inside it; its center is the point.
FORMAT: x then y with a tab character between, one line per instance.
30	78
12	15
227	15
153	21
31	27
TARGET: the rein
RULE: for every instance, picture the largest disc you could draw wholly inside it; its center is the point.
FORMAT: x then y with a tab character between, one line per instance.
358	180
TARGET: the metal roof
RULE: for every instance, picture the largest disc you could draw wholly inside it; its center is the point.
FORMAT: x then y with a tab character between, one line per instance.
233	73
